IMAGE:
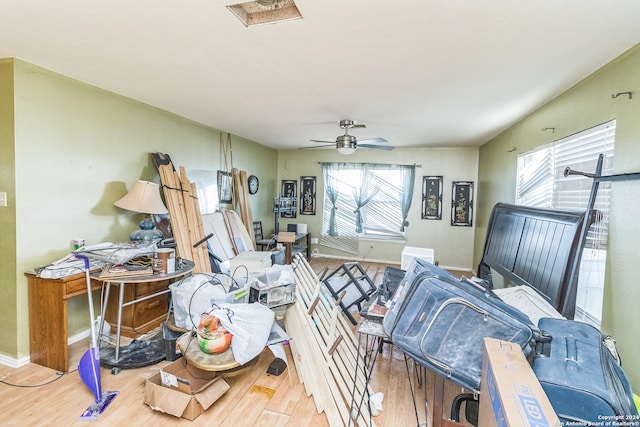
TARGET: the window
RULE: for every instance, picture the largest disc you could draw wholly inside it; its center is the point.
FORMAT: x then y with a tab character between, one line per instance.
366	199
541	182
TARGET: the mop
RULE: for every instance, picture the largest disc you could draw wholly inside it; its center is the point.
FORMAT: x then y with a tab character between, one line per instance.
89	366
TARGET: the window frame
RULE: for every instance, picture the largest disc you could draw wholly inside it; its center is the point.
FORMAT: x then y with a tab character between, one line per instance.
368	185
548	187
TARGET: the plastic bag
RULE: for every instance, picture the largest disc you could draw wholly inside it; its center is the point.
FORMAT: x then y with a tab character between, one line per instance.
192	297
275	275
250	325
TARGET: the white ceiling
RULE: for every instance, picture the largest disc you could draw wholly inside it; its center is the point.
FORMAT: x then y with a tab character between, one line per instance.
418	73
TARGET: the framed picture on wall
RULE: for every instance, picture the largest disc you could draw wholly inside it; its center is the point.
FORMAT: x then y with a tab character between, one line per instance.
307	195
462	203
432	197
288	191
225	187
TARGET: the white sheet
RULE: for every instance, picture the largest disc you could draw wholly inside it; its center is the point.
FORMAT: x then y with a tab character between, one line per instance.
527	300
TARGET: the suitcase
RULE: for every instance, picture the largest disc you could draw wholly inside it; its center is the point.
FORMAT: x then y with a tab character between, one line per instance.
440	321
581	377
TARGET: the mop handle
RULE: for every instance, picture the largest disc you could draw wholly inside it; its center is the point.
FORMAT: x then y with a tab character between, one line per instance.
94	341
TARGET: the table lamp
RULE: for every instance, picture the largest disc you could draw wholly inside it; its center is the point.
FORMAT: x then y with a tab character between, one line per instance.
144	197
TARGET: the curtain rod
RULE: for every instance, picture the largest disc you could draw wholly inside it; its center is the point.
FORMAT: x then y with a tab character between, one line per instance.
365	163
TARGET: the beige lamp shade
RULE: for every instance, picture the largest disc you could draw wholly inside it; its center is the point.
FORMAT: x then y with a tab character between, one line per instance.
144	197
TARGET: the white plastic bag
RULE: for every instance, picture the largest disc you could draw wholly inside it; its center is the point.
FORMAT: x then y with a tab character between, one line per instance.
192	297
250	325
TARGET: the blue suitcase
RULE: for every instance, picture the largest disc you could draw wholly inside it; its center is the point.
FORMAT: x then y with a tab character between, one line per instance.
440	321
582	379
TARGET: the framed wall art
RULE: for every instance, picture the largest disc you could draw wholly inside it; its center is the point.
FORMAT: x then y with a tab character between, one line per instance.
462	203
432	197
289	191
307	195
225	187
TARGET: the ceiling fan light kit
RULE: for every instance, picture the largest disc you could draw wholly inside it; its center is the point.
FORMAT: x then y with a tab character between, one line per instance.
346	149
265	11
347	144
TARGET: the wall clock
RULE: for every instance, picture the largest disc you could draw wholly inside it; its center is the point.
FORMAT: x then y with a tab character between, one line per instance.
253	184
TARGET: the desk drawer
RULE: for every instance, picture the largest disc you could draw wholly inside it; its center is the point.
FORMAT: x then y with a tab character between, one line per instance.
144	289
76	285
150	309
142	316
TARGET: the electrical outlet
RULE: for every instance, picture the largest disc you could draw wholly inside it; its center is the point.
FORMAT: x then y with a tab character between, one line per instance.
3	199
314	240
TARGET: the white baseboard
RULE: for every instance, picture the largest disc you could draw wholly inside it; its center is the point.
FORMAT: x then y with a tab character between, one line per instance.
79	336
14	363
382	261
25	360
357	259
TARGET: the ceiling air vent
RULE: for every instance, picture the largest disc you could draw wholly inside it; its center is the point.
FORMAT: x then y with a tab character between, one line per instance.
265	11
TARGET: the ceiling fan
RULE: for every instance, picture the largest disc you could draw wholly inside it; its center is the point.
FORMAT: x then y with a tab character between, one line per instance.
347	144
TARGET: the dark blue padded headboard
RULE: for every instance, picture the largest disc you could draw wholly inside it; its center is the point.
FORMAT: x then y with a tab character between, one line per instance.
535	247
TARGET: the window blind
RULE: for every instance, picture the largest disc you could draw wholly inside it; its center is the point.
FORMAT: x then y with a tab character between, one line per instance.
541	181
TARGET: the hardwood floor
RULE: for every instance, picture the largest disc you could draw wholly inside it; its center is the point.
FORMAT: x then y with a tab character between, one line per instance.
38	396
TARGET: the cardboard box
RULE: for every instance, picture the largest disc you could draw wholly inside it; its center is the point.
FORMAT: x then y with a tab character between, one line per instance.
183	391
510	394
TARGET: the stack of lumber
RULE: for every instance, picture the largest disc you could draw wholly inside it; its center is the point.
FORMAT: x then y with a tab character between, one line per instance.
241	190
326	353
181	198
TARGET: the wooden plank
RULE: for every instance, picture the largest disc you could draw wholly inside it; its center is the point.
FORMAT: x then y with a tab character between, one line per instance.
250	406
191	220
311	289
227	224
289	392
339	355
317	374
248	216
173	196
202	248
302	349
199	254
242	197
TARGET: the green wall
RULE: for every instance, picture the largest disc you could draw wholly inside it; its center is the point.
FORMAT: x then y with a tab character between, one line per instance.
7	214
453	246
77	150
587	104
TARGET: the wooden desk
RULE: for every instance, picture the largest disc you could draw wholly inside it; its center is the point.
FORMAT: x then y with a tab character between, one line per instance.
301	243
48	327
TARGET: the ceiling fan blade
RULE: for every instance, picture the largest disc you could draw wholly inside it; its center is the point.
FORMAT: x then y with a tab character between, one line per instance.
377	147
321	141
329	145
372	140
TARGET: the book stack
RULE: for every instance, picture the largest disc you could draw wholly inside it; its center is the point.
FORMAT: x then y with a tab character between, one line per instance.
119	270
